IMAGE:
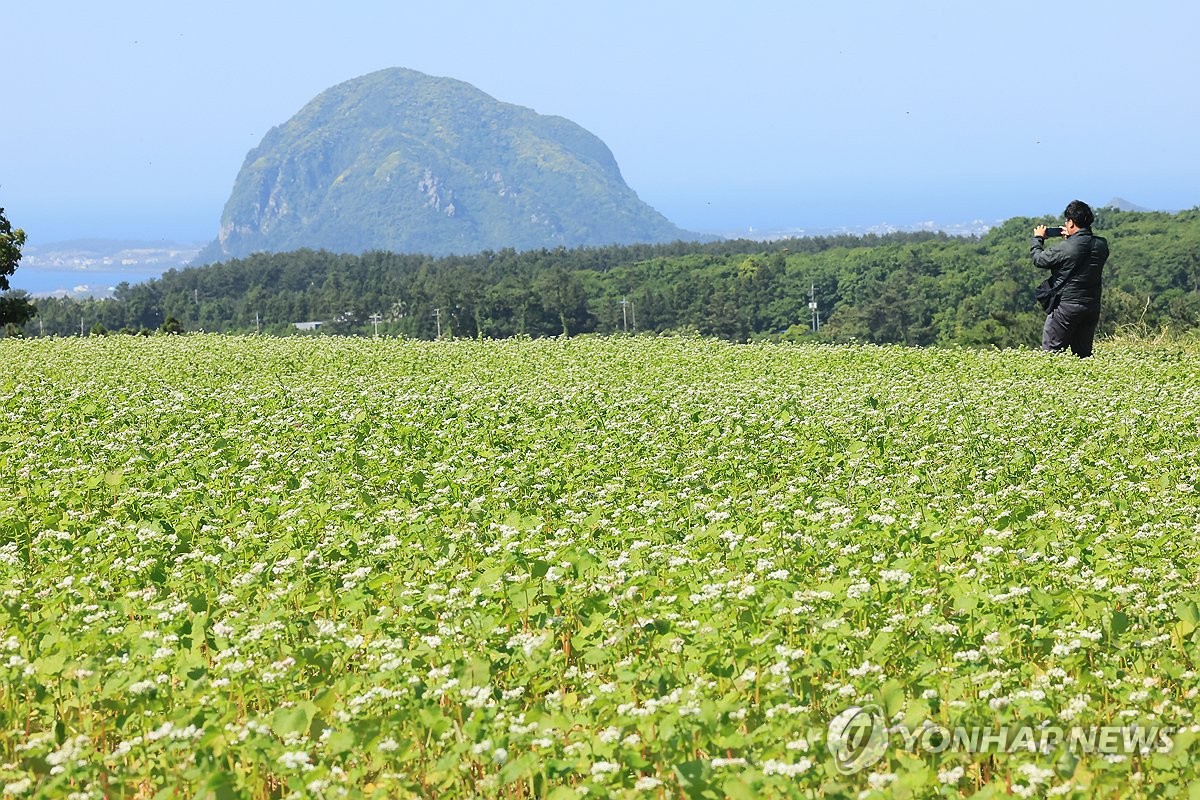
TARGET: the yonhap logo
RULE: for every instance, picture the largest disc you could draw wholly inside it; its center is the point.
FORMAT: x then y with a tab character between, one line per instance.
857	738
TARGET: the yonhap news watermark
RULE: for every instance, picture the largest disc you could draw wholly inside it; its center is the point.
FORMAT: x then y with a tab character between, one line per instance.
860	736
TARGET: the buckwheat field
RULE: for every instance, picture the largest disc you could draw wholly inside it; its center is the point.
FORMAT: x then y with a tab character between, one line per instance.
627	567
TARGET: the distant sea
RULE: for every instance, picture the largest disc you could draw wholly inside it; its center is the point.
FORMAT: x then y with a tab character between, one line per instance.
84	282
94	267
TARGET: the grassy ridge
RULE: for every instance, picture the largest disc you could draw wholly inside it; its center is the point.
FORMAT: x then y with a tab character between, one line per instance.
645	567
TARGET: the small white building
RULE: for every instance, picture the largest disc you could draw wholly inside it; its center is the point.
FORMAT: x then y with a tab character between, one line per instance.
308	326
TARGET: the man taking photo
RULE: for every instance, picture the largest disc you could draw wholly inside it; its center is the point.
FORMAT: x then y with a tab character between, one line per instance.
1076	266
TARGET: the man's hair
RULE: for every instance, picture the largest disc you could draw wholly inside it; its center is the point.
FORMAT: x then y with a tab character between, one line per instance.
1080	213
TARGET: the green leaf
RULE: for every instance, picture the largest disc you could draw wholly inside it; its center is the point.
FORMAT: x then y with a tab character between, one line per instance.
1189	616
51	664
916	712
694	778
341	742
880	645
479	671
219	786
293	720
893	697
738	788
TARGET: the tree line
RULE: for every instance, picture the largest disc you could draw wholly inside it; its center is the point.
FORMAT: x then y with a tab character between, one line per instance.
911	288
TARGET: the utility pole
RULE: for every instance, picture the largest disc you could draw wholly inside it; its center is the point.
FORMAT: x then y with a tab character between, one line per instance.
812	307
437	313
81	326
624	314
375	319
257	323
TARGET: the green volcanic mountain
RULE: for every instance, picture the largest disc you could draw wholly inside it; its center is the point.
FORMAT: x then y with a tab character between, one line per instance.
401	161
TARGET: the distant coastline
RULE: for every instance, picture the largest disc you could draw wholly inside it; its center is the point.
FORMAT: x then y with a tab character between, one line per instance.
94	267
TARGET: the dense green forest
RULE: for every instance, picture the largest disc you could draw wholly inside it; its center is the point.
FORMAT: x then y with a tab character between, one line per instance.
912	288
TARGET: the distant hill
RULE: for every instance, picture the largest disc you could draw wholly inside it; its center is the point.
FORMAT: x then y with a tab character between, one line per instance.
401	161
1122	204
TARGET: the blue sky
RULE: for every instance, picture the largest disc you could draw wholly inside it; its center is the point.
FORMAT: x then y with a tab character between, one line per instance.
132	119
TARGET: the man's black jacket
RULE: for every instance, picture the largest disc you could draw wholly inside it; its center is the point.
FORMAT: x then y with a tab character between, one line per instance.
1081	255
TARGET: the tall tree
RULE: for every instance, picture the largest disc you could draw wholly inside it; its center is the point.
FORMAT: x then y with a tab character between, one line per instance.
15	310
11	242
561	293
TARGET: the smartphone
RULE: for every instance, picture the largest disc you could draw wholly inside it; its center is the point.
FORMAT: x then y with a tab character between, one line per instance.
1053	232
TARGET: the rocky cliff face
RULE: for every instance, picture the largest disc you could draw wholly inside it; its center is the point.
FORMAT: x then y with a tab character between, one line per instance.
401	161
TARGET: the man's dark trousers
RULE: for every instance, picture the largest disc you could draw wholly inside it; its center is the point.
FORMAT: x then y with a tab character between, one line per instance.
1071	325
